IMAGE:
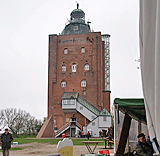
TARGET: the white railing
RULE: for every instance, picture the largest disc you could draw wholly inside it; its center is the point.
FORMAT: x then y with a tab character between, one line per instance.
62	129
66	126
78	125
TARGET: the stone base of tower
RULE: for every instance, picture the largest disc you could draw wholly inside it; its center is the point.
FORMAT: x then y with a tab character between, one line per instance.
47	129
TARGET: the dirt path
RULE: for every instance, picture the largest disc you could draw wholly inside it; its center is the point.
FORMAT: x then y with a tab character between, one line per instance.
43	149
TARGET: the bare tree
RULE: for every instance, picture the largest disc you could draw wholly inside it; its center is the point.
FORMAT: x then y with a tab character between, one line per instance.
19	121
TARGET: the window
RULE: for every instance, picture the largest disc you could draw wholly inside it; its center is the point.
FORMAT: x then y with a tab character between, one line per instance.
84	92
69	102
65	51
83	83
75	27
72	102
81	108
93	123
86	66
82	50
63	68
80	119
104	118
63	84
74	67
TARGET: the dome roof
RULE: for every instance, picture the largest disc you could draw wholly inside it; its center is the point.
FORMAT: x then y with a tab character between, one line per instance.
77	13
77	24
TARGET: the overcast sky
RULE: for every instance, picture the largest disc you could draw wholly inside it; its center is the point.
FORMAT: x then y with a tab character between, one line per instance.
24	29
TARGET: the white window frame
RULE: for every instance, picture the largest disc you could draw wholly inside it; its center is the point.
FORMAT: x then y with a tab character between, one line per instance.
74	67
63	68
65	51
76	27
83	83
82	50
63	84
84	92
69	102
86	66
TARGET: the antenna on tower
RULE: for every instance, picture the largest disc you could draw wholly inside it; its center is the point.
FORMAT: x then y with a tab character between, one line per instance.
77	5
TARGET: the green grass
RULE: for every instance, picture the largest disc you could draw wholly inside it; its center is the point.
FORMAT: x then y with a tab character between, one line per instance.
18	148
52	141
27	136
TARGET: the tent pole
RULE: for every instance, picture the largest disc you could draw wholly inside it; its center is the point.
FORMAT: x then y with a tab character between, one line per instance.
139	127
124	135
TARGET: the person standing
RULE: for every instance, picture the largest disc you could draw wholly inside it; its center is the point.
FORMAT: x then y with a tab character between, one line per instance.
6	140
88	135
143	148
82	134
100	133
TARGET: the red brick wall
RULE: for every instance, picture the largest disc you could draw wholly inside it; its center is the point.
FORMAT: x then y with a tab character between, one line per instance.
47	129
94	56
106	100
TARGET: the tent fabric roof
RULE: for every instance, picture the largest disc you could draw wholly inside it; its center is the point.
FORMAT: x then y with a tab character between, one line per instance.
135	108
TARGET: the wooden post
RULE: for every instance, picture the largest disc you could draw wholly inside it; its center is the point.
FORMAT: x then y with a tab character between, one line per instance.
124	135
139	127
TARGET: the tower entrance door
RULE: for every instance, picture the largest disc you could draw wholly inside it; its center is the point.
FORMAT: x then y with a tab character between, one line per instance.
73	130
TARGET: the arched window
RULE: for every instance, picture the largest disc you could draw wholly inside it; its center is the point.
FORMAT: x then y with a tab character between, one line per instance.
74	67
82	50
83	83
84	92
63	68
65	51
63	84
86	66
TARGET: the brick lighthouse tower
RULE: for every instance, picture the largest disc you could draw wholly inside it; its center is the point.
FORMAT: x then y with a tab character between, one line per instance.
78	80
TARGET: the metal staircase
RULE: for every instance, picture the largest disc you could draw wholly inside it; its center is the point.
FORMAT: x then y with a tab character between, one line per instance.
88	110
79	126
66	127
61	130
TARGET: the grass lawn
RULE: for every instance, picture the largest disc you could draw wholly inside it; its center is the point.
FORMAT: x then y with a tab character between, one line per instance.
54	141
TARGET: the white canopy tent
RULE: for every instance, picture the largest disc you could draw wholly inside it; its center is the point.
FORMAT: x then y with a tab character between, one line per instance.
150	65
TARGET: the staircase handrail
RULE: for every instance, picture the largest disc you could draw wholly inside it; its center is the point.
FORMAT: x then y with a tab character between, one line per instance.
78	124
61	129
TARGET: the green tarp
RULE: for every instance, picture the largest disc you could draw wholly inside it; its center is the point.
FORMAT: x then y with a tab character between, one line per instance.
135	108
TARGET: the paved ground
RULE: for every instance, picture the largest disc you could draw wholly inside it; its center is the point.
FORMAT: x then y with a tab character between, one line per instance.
39	149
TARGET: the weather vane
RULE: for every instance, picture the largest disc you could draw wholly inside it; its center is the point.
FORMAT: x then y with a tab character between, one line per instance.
77	5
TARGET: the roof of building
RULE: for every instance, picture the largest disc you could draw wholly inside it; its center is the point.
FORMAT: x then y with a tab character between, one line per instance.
69	95
76	24
77	13
88	105
104	112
